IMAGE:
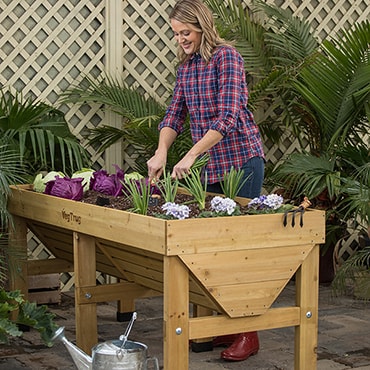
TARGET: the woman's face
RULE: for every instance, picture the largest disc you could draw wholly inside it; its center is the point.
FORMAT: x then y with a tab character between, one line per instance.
186	36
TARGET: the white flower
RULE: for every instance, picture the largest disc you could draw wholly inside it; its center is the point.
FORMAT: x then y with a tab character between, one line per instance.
271	201
176	210
219	204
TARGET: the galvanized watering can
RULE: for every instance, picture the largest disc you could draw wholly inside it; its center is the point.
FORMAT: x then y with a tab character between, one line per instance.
120	354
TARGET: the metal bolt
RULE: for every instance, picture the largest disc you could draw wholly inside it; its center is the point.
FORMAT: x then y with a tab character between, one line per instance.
87	295
178	331
308	314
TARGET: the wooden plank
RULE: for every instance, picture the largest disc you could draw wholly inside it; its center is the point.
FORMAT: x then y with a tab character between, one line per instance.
232	267
246	283
47	281
111	224
203	327
242	232
45	297
18	257
248	299
112	292
120	252
49	266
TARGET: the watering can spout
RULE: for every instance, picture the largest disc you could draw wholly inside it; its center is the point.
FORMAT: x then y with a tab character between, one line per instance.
79	357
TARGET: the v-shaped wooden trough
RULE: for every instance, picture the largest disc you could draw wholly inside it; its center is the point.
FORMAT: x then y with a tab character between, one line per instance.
235	266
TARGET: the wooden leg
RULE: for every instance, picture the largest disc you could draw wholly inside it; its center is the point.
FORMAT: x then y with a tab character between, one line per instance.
85	276
307	294
125	309
176	314
17	254
203	344
18	273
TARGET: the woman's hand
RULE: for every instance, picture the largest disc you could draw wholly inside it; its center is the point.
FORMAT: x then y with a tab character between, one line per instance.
156	164
182	168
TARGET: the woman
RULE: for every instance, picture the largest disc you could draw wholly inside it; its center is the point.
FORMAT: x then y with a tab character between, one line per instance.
211	88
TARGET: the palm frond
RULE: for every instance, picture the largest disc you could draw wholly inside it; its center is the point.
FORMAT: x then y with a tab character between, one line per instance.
290	38
308	175
40	133
11	172
116	96
236	24
336	85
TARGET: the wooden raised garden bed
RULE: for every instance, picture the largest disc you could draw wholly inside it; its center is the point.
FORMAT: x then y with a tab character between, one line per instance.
236	266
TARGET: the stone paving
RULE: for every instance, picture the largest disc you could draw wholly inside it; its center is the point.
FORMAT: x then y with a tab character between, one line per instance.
344	338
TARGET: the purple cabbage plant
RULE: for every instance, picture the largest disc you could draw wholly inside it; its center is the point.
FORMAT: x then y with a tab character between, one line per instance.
65	187
107	184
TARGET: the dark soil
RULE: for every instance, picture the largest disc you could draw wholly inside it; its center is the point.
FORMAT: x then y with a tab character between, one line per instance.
154	209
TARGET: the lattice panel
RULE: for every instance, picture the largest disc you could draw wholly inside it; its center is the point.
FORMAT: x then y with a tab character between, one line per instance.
45	46
149	52
330	16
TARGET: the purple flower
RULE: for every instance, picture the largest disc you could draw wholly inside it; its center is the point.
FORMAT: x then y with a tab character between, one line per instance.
107	184
65	187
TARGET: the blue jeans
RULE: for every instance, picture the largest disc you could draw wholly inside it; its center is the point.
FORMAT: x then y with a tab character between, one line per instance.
254	170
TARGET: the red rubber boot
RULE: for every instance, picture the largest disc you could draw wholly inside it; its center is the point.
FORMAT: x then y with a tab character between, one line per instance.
224	340
245	345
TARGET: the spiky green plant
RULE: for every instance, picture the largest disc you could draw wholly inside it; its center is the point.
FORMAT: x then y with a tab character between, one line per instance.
139	192
197	187
168	186
232	182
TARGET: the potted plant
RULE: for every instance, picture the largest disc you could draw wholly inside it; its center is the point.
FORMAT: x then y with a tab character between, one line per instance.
235	265
355	270
332	94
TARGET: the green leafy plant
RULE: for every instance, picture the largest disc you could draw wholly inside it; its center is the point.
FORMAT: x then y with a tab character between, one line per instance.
168	186
33	136
139	192
232	182
356	205
194	185
39	133
275	46
26	313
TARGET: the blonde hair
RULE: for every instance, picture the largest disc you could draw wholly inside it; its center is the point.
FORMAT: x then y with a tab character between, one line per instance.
197	14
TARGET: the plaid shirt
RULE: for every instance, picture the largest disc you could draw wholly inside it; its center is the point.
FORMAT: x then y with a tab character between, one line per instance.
216	96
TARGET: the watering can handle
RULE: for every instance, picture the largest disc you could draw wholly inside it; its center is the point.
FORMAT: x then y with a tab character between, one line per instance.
124	337
155	360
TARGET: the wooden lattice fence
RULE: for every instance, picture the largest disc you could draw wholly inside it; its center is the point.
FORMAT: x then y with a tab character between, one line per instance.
47	45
